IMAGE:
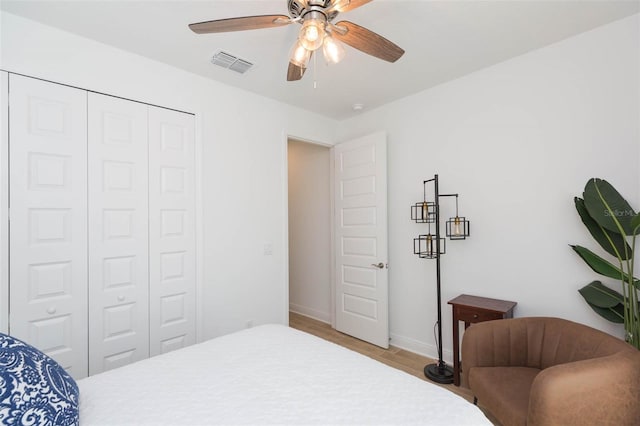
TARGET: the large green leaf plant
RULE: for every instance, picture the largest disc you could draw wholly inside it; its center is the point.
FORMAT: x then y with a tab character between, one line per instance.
612	223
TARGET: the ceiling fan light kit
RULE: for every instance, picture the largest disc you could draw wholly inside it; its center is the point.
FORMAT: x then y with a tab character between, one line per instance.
317	31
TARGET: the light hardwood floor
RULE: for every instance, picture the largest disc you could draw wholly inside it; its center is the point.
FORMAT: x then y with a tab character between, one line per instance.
401	359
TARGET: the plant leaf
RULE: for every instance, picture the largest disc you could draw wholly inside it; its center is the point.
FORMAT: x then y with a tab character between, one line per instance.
635	222
600	234
603	267
598	264
607	303
599	295
606	206
615	314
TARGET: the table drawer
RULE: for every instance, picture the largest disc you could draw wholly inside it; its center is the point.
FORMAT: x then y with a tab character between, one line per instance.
474	315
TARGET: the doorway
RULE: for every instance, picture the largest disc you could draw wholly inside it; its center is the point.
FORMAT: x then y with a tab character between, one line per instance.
338	267
309	210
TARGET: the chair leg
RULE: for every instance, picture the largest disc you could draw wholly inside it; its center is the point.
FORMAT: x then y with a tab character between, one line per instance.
475	400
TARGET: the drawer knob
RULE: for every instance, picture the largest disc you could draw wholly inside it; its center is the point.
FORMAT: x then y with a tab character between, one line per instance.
121	298
51	310
475	316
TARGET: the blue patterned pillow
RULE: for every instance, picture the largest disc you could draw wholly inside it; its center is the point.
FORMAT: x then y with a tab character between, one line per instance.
34	389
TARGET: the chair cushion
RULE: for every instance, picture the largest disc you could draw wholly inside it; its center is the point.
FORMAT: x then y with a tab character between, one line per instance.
505	389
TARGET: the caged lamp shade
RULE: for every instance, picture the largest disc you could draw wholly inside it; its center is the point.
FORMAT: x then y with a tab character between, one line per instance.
457	228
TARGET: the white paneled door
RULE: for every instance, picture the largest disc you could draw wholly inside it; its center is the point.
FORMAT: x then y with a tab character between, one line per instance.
172	244
48	219
360	235
118	233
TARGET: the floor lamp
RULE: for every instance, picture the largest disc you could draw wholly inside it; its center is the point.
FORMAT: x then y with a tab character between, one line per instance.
432	246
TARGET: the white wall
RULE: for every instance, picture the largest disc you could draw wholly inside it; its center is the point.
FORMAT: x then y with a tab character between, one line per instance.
242	138
309	230
518	141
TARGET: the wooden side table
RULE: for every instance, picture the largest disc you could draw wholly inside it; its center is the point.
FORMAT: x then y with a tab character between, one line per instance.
472	309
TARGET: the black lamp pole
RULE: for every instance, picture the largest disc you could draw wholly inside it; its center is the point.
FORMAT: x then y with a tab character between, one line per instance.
439	372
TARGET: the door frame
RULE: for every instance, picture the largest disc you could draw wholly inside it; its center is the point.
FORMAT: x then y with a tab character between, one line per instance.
285	226
4	201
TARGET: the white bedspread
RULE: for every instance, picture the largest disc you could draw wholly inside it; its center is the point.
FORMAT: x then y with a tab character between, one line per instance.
267	375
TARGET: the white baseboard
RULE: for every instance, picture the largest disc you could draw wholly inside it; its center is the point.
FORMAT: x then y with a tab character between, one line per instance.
310	312
420	348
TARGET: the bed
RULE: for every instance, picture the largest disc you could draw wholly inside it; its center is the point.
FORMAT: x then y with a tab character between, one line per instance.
261	376
269	374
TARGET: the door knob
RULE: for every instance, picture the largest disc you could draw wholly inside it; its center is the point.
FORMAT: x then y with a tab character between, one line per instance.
378	265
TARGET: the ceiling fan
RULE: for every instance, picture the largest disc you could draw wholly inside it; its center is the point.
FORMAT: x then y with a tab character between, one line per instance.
318	30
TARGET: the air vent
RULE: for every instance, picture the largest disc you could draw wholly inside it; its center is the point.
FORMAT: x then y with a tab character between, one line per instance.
227	60
241	66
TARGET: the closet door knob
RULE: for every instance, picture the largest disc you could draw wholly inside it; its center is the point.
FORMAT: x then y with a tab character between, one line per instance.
51	310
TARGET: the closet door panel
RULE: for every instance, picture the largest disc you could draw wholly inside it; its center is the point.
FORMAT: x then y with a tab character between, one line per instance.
48	220
172	230
118	233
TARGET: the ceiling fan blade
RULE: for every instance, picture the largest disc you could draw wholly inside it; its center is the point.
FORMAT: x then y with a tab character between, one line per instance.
240	24
367	41
294	72
347	5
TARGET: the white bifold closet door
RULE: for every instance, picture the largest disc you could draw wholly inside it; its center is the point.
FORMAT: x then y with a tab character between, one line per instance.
48	219
102	226
172	247
118	233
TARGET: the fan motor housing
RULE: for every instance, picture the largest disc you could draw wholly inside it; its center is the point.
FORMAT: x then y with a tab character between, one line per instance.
298	8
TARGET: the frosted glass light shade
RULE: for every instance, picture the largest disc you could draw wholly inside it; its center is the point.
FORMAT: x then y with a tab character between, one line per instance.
312	34
333	50
299	55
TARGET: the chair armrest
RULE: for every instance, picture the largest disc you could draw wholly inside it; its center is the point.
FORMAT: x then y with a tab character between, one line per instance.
596	391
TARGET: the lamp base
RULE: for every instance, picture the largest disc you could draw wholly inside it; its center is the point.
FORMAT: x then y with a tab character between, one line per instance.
439	373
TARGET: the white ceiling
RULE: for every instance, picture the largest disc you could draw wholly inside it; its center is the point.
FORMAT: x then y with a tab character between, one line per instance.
443	40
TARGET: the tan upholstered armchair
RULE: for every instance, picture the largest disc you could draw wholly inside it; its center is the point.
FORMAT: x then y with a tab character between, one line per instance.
550	371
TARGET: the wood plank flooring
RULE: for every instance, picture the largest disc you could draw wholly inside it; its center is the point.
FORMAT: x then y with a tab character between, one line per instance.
401	359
